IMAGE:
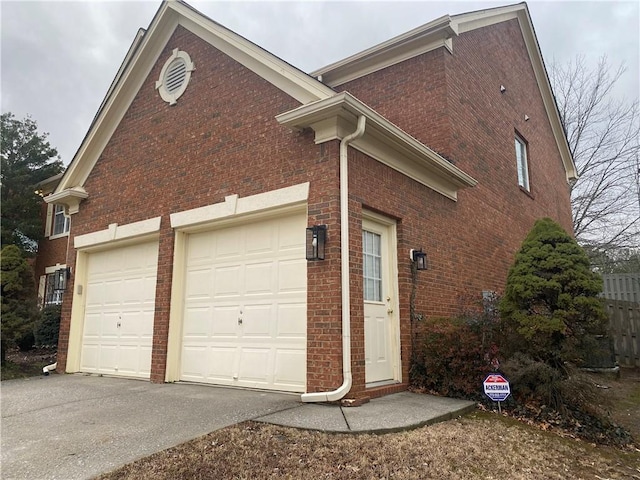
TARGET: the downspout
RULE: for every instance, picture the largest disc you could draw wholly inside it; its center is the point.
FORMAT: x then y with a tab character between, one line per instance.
49	368
343	389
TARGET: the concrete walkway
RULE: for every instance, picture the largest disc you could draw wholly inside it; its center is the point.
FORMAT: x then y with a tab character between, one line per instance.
400	411
78	426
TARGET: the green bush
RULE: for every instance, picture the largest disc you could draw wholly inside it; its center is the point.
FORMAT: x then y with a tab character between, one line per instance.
451	359
48	326
551	299
19	300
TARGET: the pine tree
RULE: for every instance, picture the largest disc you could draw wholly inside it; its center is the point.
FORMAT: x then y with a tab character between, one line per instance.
19	305
27	158
551	298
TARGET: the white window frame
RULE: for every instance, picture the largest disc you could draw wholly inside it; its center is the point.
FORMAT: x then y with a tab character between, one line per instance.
56	211
52	285
522	164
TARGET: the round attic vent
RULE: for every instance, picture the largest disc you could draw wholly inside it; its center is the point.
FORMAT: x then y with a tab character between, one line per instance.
175	76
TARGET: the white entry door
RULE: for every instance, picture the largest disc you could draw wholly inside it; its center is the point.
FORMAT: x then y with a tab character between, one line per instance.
119	311
380	320
245	306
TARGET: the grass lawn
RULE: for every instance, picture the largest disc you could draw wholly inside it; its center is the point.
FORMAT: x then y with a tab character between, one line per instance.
478	446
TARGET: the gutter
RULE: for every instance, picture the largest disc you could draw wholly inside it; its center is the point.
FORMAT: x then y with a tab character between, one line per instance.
343	389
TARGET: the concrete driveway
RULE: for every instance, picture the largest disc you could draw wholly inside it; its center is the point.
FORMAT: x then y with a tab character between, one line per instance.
78	426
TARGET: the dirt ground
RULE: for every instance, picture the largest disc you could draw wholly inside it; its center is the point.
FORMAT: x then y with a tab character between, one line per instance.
624	395
27	364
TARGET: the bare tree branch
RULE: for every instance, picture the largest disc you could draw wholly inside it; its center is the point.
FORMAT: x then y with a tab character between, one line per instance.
603	134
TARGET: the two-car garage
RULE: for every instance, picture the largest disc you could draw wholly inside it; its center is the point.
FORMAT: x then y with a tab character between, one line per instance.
239	312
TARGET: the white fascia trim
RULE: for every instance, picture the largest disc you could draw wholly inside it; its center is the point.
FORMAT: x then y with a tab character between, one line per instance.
117	233
114	107
425	38
292	81
333	118
284	76
70	198
470	21
234	206
548	98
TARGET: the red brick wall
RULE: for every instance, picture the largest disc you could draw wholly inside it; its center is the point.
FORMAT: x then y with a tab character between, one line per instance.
50	252
412	95
470	243
221	138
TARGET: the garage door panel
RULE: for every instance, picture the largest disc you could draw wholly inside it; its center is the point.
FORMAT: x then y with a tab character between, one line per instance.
226	321
107	361
119	310
291	319
259	239
192	360
222	363
111	292
292	276
255	366
259	278
290	367
259	275
227	281
228	245
196	322
199	283
136	324
289	237
257	321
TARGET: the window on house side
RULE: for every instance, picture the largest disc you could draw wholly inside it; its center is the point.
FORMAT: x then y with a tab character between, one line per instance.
521	162
54	288
60	221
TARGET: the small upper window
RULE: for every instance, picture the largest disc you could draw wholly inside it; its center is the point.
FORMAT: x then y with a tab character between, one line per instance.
521	163
60	221
175	76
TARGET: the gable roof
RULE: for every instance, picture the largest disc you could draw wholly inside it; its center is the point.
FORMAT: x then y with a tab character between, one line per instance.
385	141
439	33
143	55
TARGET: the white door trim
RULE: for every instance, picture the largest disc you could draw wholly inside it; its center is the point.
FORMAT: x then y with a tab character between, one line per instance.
375	221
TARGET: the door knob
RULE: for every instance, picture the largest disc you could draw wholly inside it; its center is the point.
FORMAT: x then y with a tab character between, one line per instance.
239	321
390	311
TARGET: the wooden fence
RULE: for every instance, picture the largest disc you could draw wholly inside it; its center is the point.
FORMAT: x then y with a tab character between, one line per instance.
624	318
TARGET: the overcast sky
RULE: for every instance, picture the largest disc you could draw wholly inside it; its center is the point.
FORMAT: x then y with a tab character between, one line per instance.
59	58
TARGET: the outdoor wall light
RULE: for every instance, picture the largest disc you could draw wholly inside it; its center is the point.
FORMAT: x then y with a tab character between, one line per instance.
61	277
419	257
316	239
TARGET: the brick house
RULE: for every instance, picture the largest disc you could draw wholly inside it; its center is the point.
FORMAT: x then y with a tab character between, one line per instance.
194	196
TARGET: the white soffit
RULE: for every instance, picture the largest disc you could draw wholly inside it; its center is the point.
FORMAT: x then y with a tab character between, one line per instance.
425	38
336	117
439	33
128	82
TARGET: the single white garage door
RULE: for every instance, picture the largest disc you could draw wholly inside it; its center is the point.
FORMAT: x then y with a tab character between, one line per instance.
119	312
245	311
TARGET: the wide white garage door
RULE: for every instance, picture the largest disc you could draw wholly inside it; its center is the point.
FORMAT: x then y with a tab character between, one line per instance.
245	312
119	312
